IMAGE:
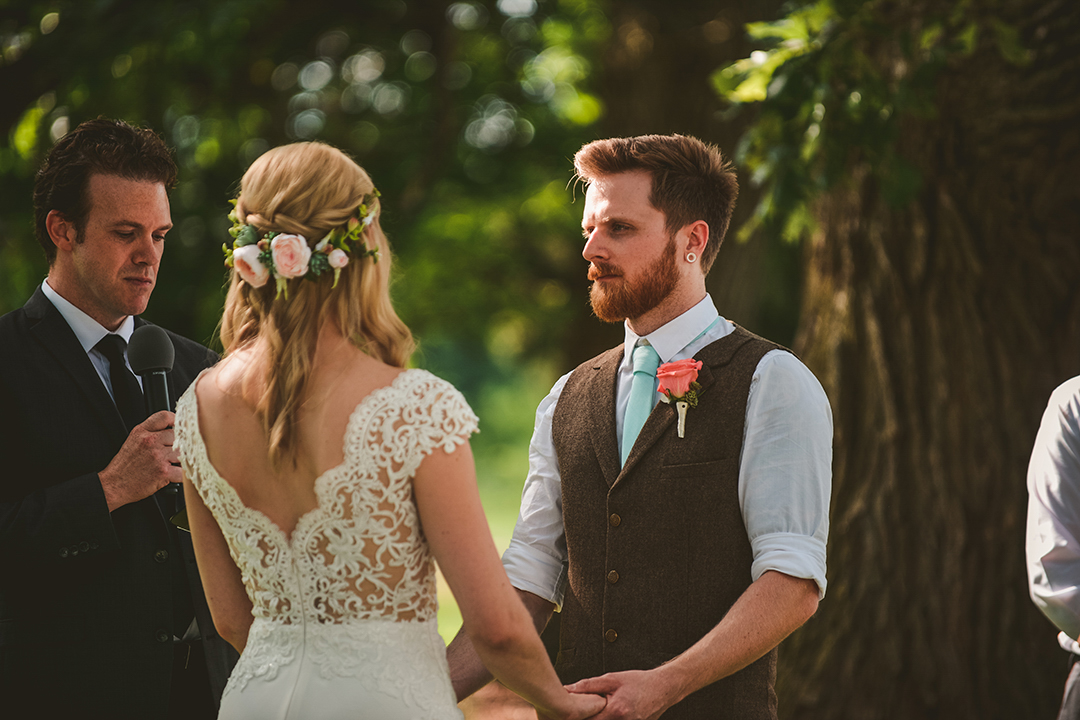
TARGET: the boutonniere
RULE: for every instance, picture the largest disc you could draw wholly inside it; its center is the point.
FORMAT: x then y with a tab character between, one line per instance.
678	384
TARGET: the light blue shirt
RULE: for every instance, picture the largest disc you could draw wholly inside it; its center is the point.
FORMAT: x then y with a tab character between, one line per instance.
89	332
785	471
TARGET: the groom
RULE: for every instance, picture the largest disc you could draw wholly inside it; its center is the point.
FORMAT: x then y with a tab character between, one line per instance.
102	614
679	558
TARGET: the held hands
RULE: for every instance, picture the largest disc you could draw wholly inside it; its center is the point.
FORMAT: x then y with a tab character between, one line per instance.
631	695
578	707
145	463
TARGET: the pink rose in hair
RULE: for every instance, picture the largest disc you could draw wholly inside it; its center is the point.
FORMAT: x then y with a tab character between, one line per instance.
291	254
337	258
675	377
246	262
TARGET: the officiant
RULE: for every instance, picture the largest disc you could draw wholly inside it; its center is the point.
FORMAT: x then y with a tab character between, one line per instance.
101	610
676	506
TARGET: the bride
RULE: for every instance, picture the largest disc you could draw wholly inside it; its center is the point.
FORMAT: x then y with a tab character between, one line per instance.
323	480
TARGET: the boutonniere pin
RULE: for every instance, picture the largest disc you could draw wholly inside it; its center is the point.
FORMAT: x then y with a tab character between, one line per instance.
678	384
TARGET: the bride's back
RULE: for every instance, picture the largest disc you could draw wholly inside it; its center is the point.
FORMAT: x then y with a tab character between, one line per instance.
300	451
336	536
237	442
297	428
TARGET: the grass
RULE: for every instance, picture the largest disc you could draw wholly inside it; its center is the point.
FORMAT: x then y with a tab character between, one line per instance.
501	449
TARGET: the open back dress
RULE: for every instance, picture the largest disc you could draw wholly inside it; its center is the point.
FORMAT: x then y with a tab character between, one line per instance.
344	608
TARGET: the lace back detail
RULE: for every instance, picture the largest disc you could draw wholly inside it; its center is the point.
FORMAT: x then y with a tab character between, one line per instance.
361	553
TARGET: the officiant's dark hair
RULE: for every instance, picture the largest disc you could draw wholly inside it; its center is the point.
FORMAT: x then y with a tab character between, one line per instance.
691	180
95	147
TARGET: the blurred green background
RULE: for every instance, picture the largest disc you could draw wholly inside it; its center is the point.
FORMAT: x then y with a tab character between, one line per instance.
466	115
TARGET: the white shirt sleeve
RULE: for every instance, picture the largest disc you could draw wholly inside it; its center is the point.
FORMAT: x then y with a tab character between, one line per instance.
1053	521
536	561
785	473
785	483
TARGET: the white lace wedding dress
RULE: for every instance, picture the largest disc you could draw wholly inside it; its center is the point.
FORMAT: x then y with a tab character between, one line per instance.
345	609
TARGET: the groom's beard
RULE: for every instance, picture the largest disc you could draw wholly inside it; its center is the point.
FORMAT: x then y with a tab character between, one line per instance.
617	300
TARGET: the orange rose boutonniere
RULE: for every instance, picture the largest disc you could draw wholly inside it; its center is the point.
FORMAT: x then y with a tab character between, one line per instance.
678	384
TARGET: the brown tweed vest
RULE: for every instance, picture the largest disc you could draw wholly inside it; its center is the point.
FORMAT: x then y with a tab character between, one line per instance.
658	550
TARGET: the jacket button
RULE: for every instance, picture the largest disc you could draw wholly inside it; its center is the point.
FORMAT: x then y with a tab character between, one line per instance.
614	520
63	552
74	549
611	636
161	555
162	636
613	577
84	546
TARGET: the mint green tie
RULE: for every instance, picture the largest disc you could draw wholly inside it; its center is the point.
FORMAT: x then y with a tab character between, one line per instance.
642	396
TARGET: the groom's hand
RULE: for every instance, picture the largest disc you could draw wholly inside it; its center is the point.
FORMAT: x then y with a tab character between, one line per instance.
631	695
145	463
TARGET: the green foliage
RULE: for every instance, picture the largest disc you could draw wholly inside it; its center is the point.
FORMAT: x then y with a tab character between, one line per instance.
465	115
835	79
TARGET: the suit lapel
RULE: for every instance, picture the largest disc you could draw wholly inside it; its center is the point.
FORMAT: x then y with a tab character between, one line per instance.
658	421
48	327
601	409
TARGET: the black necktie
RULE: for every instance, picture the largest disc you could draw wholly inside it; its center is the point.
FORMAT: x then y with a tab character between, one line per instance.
126	391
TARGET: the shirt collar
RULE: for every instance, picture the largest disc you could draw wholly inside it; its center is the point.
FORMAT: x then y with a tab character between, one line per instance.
672	337
88	330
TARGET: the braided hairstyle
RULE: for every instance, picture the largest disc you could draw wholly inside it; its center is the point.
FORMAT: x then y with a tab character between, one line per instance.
309	189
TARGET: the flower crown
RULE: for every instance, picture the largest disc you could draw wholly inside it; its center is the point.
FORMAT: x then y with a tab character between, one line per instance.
256	256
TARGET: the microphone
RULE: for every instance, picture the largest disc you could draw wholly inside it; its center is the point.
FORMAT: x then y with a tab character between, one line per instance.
151	354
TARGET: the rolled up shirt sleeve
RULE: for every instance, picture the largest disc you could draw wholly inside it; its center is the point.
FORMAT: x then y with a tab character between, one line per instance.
536	560
785	475
1053	520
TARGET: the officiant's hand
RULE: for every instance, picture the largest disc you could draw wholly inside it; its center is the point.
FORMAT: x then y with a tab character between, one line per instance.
631	695
144	464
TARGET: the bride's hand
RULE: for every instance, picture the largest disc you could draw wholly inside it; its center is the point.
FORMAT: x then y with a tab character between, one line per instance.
579	706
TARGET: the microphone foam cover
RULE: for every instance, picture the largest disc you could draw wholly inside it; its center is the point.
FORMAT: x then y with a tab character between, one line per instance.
150	349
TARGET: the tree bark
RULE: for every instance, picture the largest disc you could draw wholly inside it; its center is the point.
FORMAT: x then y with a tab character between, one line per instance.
939	330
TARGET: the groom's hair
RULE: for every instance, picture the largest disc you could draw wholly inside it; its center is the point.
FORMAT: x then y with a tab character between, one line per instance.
95	147
691	180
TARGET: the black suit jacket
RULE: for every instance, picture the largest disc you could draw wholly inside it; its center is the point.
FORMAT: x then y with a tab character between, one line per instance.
85	595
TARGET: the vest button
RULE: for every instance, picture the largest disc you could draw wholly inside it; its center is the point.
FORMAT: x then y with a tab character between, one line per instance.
611	636
614	520
161	556
613	577
161	636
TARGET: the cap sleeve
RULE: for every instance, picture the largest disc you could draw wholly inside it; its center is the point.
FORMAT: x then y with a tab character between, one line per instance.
434	415
397	426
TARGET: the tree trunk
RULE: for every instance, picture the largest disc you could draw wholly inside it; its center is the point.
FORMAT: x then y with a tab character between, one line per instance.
939	330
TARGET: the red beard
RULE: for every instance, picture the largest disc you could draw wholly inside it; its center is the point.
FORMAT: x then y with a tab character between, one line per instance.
617	300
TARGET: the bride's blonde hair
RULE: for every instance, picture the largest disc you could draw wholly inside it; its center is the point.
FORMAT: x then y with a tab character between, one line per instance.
309	189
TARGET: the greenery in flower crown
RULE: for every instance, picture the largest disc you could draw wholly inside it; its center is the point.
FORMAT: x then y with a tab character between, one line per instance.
348	238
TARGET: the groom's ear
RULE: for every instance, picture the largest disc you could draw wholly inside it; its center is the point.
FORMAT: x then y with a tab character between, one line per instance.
62	231
697	237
